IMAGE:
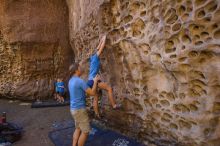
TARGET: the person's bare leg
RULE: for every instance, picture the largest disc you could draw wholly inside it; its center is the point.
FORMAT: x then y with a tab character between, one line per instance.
95	105
62	99
106	87
56	96
59	99
82	139
76	135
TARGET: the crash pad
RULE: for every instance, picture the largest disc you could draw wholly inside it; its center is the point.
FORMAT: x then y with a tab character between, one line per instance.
97	137
49	103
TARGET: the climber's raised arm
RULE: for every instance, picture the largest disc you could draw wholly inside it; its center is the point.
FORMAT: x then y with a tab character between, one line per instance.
101	45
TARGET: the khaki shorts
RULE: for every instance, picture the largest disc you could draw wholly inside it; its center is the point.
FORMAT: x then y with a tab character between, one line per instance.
81	119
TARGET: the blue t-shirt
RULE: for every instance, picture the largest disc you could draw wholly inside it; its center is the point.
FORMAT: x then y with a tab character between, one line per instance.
94	66
77	88
59	89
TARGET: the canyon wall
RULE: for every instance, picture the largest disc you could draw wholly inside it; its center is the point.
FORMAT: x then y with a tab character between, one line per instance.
162	59
34	47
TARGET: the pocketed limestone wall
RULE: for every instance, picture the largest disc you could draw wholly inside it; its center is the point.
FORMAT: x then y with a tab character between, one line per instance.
162	60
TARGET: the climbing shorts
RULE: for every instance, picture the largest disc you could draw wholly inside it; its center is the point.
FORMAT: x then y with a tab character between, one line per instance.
81	119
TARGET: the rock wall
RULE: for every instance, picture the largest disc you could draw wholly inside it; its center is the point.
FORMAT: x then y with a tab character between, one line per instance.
163	58
34	47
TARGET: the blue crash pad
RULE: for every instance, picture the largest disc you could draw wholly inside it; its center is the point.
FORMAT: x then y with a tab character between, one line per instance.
97	137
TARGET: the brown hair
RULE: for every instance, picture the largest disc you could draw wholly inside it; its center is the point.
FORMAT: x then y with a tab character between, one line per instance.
73	68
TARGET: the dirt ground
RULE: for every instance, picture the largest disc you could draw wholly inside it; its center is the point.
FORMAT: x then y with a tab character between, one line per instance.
36	122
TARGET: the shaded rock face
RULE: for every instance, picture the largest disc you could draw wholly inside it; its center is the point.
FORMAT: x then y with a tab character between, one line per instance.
163	58
34	47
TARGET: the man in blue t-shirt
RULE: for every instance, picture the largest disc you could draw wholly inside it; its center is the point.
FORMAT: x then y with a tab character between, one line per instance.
78	89
93	71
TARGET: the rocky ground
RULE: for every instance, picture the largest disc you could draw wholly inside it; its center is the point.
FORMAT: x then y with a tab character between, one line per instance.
36	122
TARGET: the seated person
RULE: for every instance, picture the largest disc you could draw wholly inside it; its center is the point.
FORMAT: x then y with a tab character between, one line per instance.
59	87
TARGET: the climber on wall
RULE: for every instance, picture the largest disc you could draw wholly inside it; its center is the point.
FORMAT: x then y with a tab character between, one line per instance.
93	71
78	90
